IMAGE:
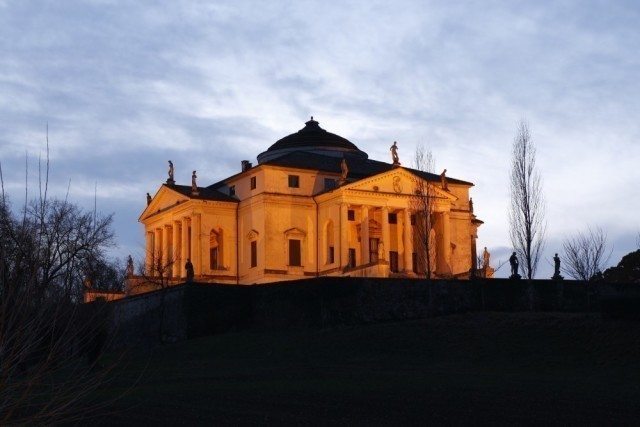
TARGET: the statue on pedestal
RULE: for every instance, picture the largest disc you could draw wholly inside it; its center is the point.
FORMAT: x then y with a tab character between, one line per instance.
513	261
170	180
443	180
486	257
471	205
394	154
194	185
556	268
345	171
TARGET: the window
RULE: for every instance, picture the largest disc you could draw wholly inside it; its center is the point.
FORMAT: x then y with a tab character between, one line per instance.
393	218
294	181
215	250
232	190
413	219
253	182
393	261
329	183
294	253
330	255
351	215
373	249
254	253
352	258
414	262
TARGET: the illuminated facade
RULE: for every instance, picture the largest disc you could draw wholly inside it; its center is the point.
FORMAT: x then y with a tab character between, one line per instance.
302	212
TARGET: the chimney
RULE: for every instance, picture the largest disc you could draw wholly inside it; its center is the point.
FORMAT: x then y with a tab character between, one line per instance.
246	165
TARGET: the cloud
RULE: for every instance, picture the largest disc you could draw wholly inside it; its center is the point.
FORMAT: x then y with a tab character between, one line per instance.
126	87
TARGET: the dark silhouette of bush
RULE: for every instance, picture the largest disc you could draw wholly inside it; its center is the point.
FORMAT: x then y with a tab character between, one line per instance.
627	270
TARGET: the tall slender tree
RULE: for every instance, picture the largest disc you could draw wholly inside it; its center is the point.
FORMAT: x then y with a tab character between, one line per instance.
527	224
423	204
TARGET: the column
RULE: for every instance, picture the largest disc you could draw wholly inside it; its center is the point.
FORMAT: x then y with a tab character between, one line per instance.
196	253
408	243
364	235
184	245
177	253
148	262
446	242
386	240
166	251
157	252
344	235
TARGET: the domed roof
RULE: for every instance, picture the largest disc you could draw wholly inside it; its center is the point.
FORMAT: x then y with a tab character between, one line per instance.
312	138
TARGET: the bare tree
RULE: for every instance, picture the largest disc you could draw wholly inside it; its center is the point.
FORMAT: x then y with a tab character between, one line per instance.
585	254
423	206
527	225
47	335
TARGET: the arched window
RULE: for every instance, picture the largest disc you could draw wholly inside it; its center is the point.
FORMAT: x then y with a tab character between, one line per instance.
215	250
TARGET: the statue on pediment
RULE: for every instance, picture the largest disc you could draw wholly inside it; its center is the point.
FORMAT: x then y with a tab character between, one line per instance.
194	184
148	199
394	154
170	180
443	180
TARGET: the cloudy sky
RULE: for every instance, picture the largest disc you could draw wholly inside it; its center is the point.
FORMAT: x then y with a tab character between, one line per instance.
125	86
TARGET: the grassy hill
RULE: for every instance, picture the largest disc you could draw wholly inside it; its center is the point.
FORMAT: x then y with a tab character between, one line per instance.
475	369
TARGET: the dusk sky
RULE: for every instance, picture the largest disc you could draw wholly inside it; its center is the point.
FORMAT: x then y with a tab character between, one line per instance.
126	86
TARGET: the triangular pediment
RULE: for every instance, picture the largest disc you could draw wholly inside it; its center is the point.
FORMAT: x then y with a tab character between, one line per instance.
164	199
398	181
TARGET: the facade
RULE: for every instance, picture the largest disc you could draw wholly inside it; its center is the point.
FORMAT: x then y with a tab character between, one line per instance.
314	205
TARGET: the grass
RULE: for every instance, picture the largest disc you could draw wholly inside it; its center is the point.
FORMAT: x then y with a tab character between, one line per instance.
482	368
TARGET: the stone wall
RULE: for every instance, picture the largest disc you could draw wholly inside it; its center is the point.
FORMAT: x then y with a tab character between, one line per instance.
192	310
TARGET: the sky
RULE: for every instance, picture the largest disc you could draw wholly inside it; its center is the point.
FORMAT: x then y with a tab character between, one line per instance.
125	86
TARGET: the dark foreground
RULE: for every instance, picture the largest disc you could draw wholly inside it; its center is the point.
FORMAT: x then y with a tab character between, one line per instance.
482	368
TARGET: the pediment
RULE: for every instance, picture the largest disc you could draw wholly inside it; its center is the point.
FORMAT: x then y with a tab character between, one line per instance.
398	181
164	199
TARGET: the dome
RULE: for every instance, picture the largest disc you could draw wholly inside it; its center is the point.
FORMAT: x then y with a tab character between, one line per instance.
312	138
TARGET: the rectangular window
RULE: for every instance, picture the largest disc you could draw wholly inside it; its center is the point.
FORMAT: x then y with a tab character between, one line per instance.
352	258
253	182
393	261
232	190
351	215
294	253
294	181
413	219
330	255
254	253
393	218
329	183
373	249
414	262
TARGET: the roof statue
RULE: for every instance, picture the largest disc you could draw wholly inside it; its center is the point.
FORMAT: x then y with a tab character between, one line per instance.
513	261
394	154
194	185
344	171
170	180
129	266
486	258
148	199
556	268
471	204
443	180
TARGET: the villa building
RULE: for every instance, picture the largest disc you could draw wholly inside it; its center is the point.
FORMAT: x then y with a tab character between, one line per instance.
314	205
